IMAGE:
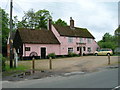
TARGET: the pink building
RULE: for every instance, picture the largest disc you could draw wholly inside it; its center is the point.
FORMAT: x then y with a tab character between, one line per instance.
56	39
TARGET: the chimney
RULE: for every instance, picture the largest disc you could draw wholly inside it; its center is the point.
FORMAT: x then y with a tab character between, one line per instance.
49	24
71	23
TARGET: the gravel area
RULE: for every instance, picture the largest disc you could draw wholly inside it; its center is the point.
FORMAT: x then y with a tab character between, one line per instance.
60	66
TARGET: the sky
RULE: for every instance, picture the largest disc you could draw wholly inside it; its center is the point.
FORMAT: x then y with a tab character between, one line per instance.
98	16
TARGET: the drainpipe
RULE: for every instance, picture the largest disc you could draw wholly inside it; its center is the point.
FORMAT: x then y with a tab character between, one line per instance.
24	50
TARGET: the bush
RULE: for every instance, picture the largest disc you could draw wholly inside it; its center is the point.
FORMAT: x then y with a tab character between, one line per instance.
2	61
63	56
52	55
72	54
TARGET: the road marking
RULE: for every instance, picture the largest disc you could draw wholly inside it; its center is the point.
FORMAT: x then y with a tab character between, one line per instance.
74	73
116	87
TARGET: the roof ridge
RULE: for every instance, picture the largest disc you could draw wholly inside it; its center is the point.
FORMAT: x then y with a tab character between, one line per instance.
77	32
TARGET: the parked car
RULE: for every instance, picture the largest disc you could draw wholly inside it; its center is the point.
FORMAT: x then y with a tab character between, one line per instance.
104	51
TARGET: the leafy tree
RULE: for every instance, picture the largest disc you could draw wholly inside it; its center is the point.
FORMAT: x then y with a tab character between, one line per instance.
34	20
111	45
60	22
4	20
108	41
107	37
42	17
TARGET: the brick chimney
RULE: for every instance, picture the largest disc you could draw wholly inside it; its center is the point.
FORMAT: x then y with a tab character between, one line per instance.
71	23
49	24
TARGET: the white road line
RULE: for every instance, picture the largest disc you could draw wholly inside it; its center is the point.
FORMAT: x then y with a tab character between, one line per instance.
74	73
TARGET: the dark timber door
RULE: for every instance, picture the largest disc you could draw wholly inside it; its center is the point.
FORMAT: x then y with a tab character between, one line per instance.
80	51
43	53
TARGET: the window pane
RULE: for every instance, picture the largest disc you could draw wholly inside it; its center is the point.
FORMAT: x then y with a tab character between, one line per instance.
70	50
27	48
70	39
81	40
89	40
89	49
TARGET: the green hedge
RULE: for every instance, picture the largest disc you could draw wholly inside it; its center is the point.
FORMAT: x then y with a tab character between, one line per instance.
52	55
72	54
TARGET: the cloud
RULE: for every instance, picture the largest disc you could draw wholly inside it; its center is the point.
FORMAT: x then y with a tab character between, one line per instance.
98	16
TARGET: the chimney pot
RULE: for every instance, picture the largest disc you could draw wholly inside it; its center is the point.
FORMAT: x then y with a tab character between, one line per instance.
49	24
71	23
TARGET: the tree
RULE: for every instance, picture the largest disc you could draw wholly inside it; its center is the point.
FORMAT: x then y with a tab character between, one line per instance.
108	41
42	17
60	22
4	20
107	37
34	20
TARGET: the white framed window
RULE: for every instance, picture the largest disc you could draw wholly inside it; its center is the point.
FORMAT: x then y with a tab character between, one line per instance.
70	50
89	40
70	40
27	48
89	49
81	40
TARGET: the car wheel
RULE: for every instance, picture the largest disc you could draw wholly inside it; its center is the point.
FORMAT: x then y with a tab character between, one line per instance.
96	54
108	54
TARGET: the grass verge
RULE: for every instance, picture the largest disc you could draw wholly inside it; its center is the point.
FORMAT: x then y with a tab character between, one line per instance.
9	71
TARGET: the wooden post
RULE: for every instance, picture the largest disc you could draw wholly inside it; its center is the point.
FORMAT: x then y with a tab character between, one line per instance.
11	41
33	64
108	59
50	62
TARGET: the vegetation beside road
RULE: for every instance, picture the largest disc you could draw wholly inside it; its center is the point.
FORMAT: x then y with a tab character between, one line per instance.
109	41
9	71
6	70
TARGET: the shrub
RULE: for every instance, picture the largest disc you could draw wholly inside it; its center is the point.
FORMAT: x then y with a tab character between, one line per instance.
72	54
63	56
52	55
2	61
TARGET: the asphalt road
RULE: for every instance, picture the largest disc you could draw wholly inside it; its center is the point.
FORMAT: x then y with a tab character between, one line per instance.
107	78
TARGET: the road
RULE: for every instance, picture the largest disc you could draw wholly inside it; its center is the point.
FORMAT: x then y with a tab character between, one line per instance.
105	78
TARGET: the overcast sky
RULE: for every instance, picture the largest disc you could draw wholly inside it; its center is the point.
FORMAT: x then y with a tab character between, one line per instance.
98	16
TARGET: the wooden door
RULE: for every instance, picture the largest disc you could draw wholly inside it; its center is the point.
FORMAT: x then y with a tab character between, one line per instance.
43	53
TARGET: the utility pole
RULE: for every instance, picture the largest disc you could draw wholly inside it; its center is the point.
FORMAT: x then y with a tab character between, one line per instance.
11	41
